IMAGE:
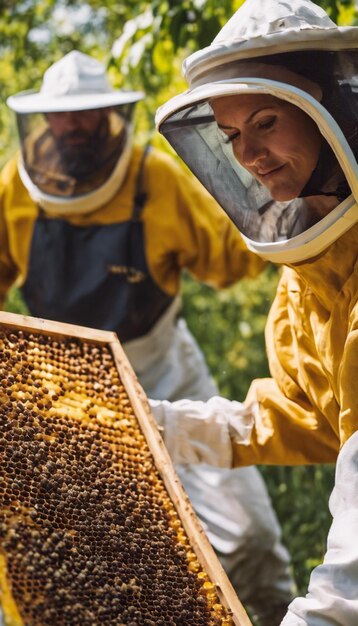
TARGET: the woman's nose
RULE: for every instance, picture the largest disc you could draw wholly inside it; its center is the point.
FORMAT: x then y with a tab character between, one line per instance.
252	151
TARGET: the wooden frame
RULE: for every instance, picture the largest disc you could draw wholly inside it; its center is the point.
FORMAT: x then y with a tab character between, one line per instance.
199	542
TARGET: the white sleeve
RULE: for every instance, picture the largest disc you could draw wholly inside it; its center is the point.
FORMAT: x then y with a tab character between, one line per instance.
332	598
202	432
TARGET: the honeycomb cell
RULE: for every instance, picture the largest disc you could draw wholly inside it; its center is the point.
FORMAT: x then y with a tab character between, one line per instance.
88	533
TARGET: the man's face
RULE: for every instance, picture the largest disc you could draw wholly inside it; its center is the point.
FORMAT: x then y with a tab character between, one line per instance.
75	127
274	140
79	137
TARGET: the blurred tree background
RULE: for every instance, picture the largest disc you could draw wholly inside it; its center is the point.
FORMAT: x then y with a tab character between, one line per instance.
143	45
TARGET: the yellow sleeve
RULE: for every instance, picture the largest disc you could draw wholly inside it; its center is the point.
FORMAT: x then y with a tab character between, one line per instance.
8	270
198	232
348	380
290	427
288	431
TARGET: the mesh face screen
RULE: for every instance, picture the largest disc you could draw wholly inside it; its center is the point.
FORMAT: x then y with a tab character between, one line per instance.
71	154
270	158
88	533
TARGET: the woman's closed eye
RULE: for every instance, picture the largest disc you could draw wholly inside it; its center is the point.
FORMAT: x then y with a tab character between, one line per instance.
268	123
260	125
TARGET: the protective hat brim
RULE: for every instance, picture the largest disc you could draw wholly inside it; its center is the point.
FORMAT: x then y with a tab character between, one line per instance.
198	66
36	102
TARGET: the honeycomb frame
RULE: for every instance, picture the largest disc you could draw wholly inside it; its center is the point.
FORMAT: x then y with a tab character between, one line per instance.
203	552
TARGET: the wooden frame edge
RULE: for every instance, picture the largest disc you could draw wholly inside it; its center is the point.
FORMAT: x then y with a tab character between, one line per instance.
50	327
174	487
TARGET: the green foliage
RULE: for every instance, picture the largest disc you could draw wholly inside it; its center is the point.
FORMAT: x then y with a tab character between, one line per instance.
300	497
343	12
229	325
15	303
146	51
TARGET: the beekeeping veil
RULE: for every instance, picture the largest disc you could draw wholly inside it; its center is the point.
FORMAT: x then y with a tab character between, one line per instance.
282	49
81	167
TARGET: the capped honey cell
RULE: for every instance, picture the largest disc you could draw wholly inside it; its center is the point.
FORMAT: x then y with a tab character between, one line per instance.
88	533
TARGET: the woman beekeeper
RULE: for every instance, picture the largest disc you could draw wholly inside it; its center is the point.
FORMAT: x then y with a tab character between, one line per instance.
269	126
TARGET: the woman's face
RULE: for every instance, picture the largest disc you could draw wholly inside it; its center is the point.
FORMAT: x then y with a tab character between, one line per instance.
274	140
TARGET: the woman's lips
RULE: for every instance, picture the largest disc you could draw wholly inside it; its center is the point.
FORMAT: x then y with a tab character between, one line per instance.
271	172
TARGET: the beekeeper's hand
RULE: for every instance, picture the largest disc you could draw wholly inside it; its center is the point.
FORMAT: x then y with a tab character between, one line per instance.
203	432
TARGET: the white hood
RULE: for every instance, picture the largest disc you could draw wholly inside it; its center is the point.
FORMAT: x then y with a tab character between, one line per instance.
262	28
74	83
65	178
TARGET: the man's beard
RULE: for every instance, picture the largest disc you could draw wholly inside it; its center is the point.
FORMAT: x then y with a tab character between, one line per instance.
82	160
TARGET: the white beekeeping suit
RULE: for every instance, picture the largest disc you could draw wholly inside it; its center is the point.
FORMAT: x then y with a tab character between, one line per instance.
332	592
273	63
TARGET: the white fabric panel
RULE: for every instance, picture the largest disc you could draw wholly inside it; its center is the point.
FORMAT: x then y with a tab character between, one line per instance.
332	598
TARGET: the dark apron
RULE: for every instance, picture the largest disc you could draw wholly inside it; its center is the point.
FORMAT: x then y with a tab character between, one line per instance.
95	276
